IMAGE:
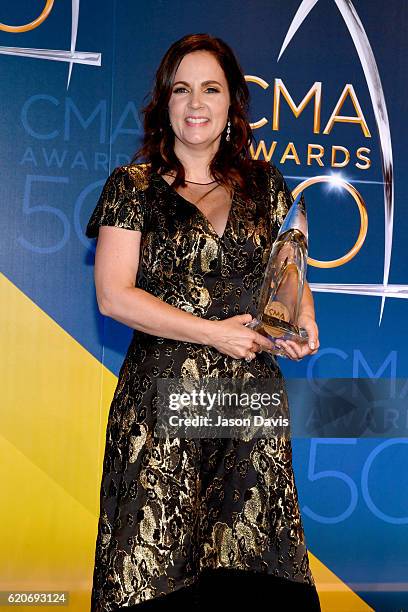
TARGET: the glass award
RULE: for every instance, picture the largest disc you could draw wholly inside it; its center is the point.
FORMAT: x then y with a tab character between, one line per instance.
282	289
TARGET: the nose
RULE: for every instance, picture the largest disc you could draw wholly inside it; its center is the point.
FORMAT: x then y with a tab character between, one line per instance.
195	99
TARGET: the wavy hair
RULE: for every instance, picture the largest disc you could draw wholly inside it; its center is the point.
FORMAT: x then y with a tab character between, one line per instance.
232	164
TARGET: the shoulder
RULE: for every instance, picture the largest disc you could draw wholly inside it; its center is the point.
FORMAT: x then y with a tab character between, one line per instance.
132	176
275	188
122	201
266	175
267	168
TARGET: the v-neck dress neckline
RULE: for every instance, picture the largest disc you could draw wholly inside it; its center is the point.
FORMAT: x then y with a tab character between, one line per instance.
200	212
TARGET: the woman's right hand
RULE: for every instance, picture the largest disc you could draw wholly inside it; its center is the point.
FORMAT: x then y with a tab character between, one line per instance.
231	337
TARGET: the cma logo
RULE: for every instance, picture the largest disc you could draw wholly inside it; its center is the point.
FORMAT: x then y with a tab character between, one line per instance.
72	56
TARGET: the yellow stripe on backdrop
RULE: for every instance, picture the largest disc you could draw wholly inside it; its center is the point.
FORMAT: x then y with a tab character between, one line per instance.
54	406
334	594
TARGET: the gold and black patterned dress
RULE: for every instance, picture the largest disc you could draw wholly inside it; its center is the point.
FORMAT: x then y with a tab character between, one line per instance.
173	507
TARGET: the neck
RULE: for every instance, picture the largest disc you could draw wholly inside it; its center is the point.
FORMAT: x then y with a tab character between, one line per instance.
196	160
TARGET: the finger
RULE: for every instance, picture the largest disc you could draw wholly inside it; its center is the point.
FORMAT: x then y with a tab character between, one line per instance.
290	353
303	349
312	334
263	341
307	350
296	348
313	341
287	349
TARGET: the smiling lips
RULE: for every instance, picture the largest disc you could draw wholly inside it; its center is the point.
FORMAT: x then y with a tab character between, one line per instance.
196	120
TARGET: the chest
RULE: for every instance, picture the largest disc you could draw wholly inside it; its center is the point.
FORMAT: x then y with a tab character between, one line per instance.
214	205
183	240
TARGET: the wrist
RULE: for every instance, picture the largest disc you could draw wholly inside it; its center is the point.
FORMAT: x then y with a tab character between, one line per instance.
306	315
206	331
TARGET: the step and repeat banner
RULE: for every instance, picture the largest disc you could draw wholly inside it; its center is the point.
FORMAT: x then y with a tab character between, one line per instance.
328	106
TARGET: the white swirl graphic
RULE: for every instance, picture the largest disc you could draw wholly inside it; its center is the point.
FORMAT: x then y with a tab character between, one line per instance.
369	65
72	56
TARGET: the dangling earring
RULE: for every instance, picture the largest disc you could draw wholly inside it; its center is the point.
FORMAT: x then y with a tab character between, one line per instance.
227	137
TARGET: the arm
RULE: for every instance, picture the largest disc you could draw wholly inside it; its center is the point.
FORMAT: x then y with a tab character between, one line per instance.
307	303
306	320
116	264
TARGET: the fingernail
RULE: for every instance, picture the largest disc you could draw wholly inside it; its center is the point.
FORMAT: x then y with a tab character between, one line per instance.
312	345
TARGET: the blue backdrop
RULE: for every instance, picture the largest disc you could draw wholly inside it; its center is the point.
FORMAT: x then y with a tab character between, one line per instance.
60	141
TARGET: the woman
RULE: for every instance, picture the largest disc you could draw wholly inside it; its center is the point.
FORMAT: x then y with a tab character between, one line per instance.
183	242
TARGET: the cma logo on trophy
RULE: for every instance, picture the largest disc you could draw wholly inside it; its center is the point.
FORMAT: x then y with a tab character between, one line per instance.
369	65
72	56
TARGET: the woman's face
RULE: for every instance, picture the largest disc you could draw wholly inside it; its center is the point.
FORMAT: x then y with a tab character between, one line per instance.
199	102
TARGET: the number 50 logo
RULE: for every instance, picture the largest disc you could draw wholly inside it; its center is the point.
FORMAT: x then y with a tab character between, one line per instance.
72	56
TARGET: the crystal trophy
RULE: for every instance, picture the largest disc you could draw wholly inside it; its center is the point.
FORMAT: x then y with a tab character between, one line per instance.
282	288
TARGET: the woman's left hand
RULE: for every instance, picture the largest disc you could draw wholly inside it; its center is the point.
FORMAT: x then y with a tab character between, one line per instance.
297	351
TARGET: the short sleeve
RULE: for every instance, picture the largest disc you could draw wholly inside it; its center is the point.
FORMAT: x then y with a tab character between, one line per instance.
280	195
121	204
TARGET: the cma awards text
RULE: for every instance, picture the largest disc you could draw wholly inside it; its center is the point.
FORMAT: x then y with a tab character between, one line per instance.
336	156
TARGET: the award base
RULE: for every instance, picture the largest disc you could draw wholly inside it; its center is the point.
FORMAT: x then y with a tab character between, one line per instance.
276	329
